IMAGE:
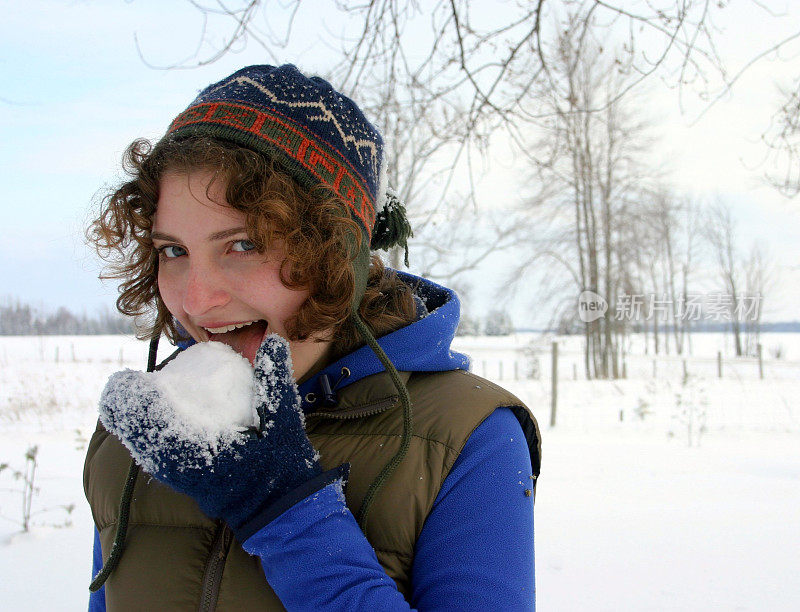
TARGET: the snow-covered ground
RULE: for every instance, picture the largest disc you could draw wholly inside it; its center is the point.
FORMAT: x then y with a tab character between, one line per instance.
629	516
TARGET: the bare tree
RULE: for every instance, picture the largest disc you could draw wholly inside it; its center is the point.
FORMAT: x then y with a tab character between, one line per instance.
666	213
417	135
759	276
676	225
596	156
647	237
721	235
783	138
689	227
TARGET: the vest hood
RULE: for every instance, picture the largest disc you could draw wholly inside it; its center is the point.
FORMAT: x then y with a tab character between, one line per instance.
422	346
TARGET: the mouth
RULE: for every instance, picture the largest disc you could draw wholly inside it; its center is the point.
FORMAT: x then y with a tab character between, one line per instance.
244	338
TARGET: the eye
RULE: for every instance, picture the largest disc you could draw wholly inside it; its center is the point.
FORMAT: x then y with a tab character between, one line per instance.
172	251
243	246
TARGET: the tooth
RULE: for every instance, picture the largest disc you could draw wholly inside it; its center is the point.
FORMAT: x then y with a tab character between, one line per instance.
226	328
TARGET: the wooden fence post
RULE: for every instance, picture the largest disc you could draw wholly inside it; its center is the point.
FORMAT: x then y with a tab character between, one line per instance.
719	364
760	362
554	393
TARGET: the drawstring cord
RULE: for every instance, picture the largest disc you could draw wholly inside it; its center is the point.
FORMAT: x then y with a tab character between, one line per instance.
408	425
124	502
122	529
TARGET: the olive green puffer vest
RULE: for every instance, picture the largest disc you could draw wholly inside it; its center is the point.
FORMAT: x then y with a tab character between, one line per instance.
175	558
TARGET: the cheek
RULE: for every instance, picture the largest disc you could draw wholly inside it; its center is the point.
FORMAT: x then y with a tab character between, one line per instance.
170	291
269	295
293	301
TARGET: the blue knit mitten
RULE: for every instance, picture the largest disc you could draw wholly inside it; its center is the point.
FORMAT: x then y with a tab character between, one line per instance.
246	477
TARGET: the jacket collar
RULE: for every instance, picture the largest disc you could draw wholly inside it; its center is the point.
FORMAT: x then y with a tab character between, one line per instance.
422	346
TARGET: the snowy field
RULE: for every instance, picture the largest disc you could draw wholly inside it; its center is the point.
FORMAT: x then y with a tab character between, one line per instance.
660	492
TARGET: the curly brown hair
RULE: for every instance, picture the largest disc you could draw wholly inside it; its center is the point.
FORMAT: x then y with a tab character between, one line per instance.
317	233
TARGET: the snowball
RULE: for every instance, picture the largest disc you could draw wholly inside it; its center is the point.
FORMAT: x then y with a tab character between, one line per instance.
210	388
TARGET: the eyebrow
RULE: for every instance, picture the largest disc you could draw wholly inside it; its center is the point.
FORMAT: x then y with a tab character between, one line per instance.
215	236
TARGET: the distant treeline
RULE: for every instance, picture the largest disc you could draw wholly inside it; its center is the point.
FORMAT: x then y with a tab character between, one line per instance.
703	326
18	319
496	323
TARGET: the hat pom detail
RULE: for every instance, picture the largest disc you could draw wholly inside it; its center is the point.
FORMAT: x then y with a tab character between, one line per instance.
391	225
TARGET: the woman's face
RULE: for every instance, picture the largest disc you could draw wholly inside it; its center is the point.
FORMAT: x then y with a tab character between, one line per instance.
210	276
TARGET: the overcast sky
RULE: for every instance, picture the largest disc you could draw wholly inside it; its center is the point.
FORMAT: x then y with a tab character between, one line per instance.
74	92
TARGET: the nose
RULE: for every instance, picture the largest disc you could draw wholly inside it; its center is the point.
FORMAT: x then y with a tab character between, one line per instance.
205	290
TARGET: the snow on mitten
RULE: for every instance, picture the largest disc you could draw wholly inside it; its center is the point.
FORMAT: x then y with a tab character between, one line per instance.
246	469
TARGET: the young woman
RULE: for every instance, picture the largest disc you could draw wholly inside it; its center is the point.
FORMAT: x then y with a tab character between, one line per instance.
380	474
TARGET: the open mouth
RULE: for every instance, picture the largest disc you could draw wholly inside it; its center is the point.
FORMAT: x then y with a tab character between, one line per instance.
244	338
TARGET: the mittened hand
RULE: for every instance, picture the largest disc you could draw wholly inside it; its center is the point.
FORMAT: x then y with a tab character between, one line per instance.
231	471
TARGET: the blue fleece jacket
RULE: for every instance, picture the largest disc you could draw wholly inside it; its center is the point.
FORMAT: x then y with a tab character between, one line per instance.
475	551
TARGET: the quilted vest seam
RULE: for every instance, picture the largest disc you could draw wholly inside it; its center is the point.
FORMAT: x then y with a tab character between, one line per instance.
385	435
149	524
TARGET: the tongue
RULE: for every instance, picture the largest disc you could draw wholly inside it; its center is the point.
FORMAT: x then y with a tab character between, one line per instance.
245	340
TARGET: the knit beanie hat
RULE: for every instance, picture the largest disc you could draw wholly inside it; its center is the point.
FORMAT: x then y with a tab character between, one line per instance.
317	135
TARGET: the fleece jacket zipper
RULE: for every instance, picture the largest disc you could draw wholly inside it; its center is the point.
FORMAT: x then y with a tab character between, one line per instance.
214	567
